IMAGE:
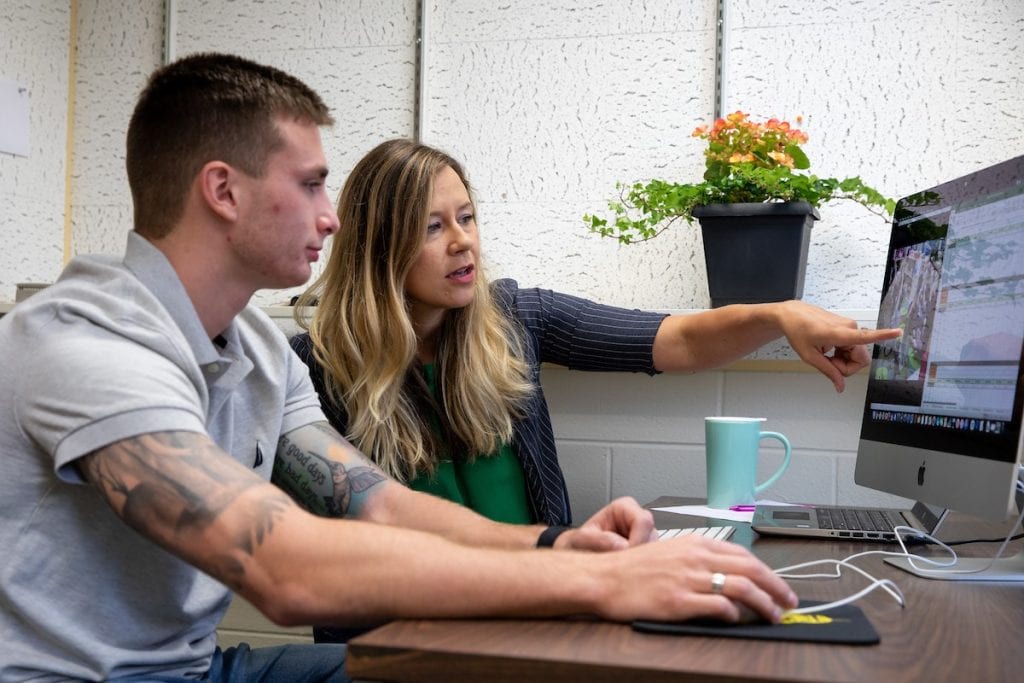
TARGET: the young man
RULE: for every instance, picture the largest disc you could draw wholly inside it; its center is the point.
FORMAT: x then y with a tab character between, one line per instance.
145	408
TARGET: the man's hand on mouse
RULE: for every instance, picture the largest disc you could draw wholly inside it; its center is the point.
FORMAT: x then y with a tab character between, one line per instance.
690	577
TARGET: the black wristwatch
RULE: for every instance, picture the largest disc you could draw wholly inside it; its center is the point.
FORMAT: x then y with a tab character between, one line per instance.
548	536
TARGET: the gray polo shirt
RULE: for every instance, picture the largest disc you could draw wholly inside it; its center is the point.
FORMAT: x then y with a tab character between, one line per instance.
115	349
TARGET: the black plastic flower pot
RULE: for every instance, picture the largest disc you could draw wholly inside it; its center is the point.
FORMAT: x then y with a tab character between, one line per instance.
755	253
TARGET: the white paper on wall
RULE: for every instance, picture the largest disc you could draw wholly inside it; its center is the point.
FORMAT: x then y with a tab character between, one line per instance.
13	118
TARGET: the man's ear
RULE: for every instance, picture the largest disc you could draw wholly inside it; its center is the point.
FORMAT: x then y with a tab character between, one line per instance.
218	186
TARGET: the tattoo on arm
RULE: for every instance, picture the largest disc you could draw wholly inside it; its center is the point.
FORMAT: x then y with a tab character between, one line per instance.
173	486
324	473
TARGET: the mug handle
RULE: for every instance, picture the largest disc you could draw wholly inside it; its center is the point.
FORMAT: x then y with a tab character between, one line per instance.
785	461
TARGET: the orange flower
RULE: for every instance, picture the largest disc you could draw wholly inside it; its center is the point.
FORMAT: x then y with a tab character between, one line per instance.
739	140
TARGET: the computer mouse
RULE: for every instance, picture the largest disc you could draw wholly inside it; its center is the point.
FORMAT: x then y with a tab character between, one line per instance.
749	616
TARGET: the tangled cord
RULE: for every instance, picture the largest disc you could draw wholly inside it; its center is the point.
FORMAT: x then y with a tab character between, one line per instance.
889	586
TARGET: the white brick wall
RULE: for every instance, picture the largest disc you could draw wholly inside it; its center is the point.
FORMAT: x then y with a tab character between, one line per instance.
644	437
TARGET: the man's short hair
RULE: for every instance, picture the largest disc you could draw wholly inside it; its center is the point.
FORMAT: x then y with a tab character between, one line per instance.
203	108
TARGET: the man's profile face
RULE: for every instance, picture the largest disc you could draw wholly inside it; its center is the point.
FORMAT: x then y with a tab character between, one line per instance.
284	216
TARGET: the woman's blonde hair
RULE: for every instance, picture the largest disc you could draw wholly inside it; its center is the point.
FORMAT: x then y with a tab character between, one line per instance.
363	338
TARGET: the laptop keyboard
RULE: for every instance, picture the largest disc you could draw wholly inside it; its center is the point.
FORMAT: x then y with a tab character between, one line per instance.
718	532
845	519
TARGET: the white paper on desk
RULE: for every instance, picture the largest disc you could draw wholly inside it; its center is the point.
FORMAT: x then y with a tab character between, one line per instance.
13	118
705	511
717	513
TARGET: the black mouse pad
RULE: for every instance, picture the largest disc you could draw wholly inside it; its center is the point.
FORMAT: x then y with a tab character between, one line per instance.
846	624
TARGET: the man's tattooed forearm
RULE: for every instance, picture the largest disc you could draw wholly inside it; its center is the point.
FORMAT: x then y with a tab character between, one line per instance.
327	429
321	484
171	485
182	470
364	478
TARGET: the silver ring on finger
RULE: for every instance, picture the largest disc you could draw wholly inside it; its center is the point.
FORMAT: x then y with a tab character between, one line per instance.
717	582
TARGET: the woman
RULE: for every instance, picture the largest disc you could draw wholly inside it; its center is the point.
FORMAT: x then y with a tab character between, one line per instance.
435	372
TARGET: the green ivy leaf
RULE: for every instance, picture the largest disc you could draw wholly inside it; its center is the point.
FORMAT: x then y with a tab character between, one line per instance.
800	159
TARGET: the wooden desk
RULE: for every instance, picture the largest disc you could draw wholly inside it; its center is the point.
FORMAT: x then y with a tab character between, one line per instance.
971	632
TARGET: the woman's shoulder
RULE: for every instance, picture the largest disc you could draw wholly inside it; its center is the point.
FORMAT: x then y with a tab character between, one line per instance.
504	289
530	302
302	345
505	294
510	295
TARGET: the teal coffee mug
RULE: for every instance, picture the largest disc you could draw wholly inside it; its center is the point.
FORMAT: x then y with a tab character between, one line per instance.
731	449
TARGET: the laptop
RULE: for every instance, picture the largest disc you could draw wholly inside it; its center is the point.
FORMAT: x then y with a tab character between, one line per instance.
846	522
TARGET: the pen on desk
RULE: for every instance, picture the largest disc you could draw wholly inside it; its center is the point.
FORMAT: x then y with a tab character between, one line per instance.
742	508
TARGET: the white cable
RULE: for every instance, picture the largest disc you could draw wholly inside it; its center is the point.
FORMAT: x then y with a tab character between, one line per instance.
883	583
888	585
911	558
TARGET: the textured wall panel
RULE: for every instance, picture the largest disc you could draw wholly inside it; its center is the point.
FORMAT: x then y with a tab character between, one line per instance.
35	55
119	45
294	25
32	239
547	127
989	87
473	20
906	95
545	244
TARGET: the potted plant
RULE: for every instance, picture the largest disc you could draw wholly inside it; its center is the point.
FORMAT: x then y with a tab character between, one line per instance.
754	206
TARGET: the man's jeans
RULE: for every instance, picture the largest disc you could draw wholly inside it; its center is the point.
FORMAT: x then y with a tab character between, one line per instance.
292	663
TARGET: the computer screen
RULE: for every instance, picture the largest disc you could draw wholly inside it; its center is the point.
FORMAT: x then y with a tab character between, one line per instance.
942	415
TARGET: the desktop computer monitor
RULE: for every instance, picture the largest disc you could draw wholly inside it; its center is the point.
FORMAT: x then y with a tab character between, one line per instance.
942	415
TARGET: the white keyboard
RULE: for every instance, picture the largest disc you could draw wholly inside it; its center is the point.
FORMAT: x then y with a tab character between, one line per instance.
718	532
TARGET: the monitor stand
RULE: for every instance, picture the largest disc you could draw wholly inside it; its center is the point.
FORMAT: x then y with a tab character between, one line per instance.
1010	569
966	569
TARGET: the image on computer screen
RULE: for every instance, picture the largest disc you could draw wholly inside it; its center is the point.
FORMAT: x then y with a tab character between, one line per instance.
959	301
944	401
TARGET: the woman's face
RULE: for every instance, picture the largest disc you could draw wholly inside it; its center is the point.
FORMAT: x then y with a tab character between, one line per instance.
442	277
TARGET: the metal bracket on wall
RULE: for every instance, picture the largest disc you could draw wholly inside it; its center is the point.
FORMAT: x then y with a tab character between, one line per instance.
420	104
170	31
721	14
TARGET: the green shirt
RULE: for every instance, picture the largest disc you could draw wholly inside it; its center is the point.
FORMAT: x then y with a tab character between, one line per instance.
492	484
